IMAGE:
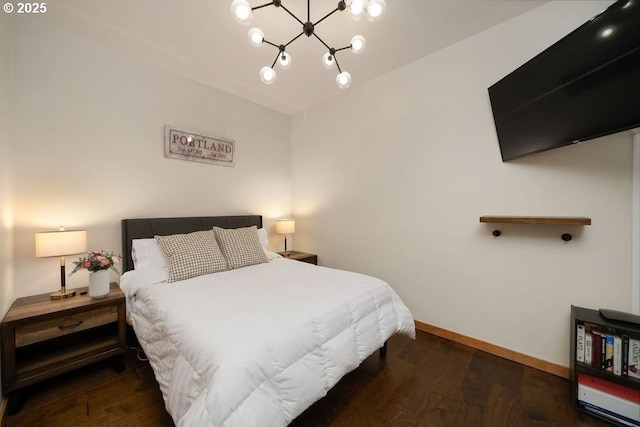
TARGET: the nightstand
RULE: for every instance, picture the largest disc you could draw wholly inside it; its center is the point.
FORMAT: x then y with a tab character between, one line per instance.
300	256
42	338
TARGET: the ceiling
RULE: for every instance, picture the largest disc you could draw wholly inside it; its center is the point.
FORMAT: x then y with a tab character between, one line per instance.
200	40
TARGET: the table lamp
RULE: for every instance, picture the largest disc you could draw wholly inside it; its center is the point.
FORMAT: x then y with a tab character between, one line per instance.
61	243
285	226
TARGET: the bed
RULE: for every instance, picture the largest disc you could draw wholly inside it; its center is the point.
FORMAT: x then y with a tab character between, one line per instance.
255	343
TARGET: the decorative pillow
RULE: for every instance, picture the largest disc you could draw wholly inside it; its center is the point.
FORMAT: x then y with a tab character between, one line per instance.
240	246
191	255
146	253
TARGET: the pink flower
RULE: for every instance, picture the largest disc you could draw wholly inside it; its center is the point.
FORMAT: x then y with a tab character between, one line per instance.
95	261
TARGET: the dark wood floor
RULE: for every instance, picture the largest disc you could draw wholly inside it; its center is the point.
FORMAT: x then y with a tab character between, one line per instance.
426	382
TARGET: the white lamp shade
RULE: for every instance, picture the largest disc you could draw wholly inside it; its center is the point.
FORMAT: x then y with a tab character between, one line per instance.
60	243
343	80
241	11
267	75
285	226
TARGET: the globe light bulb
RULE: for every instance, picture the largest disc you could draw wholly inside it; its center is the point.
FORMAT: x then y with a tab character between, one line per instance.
357	8
267	75
328	61
343	80
358	44
256	36
284	60
241	11
375	10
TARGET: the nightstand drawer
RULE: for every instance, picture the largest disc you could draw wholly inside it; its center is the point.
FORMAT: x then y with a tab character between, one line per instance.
63	325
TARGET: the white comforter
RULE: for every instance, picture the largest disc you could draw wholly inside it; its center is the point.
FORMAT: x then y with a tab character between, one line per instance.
258	345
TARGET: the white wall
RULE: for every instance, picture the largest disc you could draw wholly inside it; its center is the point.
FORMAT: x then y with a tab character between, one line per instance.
88	148
391	181
6	218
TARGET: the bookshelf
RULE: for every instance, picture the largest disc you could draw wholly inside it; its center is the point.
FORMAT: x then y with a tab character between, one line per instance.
607	393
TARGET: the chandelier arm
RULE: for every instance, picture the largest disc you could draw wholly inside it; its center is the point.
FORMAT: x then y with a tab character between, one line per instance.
326	16
321	41
294	16
343	48
272	44
308	10
293	39
262	5
276	60
335	58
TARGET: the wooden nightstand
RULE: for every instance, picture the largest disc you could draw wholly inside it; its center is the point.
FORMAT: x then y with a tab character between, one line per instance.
42	338
300	256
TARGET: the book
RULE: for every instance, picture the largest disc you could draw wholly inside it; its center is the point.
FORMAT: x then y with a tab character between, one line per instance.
634	358
615	389
595	358
625	355
609	353
617	355
608	414
588	348
617	405
580	343
603	350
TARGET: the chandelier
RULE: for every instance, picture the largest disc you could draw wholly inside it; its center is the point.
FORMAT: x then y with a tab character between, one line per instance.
373	9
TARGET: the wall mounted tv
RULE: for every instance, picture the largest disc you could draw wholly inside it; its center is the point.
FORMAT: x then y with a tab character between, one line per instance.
584	86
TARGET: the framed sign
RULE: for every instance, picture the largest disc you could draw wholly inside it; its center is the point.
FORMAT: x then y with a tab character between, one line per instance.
187	145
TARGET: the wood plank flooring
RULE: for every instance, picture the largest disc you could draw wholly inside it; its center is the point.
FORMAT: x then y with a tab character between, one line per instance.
427	382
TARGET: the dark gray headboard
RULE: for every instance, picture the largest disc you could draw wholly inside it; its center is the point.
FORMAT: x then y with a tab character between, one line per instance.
143	228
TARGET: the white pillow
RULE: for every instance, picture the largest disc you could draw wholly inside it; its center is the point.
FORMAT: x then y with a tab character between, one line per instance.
272	255
264	240
147	253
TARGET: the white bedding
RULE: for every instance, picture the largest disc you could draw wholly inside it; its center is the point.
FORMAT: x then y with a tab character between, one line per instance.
260	344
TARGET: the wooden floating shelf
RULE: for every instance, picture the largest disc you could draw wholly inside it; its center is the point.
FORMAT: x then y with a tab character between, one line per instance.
549	220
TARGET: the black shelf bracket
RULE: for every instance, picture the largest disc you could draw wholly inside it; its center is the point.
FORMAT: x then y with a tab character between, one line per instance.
566	237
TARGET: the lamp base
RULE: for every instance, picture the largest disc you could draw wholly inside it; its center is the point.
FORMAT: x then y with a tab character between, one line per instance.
63	294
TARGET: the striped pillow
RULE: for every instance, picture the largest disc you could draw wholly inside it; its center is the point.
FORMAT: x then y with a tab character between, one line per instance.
240	246
191	255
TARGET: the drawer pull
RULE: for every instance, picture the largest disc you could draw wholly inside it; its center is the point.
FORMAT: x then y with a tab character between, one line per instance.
71	325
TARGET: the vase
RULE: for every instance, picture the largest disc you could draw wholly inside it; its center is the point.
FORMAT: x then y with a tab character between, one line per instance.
99	283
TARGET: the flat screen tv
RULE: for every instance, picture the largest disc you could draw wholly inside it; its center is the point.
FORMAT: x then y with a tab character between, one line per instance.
584	86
